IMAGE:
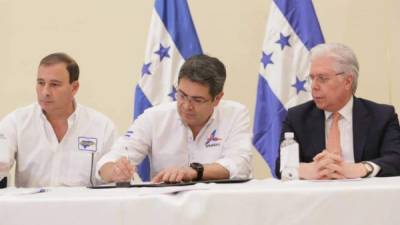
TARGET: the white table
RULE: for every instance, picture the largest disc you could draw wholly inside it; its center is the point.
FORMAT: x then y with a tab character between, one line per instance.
367	201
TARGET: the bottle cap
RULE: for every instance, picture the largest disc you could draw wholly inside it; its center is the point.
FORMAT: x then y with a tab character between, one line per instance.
289	135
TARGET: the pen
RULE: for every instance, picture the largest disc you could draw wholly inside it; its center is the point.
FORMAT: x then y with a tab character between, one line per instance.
40	190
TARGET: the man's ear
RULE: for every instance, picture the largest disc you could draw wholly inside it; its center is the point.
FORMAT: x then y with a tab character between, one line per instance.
75	87
218	98
349	81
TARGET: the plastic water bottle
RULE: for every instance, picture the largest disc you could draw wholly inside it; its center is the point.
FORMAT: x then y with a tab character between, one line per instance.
289	158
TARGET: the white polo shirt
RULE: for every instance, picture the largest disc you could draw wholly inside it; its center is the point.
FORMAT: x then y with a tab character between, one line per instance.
161	134
43	161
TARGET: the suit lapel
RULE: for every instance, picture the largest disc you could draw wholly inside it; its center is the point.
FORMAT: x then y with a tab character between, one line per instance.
361	123
317	130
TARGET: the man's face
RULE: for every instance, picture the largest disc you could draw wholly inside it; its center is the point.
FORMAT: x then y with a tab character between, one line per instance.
54	92
195	104
330	89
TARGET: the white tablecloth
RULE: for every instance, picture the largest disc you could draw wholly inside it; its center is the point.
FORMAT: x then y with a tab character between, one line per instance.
367	201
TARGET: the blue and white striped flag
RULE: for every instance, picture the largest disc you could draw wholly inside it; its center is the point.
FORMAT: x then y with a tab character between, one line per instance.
292	30
172	39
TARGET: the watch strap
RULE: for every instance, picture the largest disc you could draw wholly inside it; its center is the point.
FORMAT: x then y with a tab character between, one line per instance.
199	169
369	167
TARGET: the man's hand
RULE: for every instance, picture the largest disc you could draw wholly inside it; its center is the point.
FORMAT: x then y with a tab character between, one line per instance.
324	166
351	170
314	171
328	165
175	174
4	167
120	171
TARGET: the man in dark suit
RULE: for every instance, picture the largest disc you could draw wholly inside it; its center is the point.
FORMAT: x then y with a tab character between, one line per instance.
339	135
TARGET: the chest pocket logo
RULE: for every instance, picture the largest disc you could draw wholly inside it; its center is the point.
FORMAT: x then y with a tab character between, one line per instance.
87	144
213	140
128	134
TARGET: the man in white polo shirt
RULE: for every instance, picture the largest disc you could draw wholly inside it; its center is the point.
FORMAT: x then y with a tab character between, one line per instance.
53	141
198	137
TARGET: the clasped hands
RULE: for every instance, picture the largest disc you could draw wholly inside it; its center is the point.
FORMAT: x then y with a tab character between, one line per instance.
328	165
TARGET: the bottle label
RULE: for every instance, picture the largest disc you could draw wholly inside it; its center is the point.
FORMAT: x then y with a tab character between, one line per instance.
290	162
290	173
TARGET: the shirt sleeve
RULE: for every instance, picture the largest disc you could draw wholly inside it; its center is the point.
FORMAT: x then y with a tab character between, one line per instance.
376	169
110	135
8	144
134	144
237	148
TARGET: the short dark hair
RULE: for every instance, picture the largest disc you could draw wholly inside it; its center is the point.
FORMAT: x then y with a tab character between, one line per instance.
60	57
205	70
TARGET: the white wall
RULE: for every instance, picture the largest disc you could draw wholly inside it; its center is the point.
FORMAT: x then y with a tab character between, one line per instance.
108	38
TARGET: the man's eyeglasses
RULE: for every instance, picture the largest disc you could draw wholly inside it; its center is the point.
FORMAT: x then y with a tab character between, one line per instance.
321	78
194	100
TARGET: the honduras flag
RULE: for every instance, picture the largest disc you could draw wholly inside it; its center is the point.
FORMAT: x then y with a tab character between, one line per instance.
292	30
171	40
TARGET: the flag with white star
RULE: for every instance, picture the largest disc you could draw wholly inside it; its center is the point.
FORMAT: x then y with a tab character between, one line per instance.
171	40
292	30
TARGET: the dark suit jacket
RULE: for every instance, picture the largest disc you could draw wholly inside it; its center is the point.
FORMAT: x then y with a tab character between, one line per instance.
3	183
376	134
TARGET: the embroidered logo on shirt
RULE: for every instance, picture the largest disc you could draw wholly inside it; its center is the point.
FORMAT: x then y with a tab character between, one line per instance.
213	140
87	144
129	134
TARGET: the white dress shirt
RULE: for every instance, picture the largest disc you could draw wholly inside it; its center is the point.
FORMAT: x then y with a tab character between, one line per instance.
346	133
346	130
161	134
41	160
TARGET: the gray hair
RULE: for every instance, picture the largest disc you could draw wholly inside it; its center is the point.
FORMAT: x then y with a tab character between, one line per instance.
205	70
344	57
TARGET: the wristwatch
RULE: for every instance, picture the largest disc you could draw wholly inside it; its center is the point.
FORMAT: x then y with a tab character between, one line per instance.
369	167
199	169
